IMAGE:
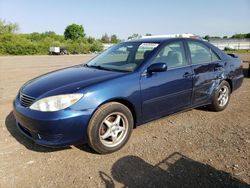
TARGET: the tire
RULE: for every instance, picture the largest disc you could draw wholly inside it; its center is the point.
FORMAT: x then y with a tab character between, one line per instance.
110	128
221	97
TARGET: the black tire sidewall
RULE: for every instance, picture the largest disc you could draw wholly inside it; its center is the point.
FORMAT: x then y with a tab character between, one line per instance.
96	121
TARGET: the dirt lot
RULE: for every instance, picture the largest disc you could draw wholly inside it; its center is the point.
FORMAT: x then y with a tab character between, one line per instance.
197	148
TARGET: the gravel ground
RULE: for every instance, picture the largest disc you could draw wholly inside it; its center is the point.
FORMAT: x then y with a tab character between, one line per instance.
197	148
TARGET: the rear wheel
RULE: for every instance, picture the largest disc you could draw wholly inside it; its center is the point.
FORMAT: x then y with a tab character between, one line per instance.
221	97
110	128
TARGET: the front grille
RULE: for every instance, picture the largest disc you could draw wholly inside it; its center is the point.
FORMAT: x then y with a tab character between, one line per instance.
26	100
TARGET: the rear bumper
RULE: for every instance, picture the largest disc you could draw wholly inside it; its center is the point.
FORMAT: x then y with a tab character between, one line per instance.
237	82
65	127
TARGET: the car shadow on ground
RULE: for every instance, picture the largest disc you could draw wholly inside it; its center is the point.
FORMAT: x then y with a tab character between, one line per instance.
10	124
86	148
246	71
176	170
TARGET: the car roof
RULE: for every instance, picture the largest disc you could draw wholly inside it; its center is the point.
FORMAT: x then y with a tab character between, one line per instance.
151	40
160	39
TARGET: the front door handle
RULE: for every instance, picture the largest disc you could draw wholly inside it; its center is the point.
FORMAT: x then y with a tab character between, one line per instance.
188	75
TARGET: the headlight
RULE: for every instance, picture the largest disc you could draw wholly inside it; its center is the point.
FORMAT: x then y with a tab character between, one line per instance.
55	103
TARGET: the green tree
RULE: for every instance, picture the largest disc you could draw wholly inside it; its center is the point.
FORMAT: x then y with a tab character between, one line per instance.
114	39
8	27
214	37
207	37
105	38
96	46
35	36
91	40
241	36
134	36
74	32
238	36
148	34
49	33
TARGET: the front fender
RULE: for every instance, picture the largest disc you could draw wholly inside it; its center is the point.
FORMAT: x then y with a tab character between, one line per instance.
125	88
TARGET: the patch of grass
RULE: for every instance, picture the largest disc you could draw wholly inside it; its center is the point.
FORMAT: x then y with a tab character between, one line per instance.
238	51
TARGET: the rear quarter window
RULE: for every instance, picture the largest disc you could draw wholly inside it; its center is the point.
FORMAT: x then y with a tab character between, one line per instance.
200	53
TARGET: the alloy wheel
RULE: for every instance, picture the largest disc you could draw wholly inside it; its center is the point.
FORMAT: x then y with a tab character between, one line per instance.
223	96
113	129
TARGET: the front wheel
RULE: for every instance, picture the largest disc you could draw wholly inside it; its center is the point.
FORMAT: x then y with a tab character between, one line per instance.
221	97
110	127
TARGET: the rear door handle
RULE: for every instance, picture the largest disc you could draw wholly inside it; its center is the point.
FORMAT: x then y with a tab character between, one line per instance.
188	75
218	67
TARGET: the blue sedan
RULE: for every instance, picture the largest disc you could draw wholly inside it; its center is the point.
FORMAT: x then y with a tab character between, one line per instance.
127	85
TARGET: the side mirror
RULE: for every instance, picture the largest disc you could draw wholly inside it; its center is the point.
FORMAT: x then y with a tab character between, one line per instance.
157	67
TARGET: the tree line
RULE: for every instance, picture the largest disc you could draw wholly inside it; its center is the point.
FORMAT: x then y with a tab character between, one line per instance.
235	36
74	41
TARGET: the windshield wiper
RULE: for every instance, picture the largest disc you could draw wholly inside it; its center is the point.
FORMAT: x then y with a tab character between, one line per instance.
95	66
92	66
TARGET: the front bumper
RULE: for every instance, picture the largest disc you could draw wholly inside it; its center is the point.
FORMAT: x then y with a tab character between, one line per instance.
65	127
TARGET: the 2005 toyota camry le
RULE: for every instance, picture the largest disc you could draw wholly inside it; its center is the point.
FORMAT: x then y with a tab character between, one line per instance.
127	85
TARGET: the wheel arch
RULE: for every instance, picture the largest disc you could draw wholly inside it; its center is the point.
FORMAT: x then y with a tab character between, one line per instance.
126	103
229	81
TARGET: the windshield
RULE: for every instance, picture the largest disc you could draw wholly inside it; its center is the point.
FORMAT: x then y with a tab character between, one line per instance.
124	57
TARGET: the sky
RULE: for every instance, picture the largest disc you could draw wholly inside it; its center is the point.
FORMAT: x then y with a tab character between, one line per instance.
125	17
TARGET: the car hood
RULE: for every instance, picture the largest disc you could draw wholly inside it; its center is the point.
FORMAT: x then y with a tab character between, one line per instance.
68	80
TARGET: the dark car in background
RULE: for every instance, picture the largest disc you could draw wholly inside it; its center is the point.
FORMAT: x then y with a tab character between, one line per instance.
127	85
